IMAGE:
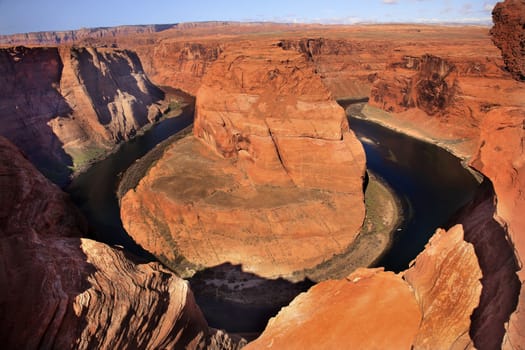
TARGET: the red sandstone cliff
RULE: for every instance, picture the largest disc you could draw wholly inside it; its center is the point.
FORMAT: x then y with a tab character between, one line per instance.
271	179
62	291
64	107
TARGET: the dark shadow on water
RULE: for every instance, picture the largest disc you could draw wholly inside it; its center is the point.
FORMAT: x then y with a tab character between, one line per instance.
240	301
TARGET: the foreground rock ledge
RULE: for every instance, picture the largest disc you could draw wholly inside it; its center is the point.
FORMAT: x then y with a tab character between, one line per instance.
421	308
271	180
60	291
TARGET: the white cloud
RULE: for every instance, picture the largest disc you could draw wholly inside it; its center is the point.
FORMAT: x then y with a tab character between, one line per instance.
390	2
488	6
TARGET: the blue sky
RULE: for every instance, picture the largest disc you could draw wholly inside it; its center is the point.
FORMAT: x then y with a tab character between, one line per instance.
19	16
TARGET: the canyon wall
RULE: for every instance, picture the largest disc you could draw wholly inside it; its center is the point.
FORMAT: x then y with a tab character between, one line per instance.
66	106
271	180
63	291
179	63
347	67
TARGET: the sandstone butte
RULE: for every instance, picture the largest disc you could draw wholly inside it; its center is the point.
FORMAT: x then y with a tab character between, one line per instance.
61	291
271	179
66	106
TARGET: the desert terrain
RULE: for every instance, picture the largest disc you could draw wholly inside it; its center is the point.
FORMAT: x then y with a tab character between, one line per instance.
266	200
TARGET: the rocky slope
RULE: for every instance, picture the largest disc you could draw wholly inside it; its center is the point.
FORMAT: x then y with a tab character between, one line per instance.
422	308
271	179
63	107
63	291
508	35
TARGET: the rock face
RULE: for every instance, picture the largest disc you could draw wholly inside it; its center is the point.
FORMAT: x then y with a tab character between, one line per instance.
484	125
346	67
271	179
501	157
179	64
445	279
432	88
427	307
63	291
64	107
508	34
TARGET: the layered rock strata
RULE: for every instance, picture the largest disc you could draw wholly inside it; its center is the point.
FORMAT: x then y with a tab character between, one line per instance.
421	308
64	107
63	291
271	179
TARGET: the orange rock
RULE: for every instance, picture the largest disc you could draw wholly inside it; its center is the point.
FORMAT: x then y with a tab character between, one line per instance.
501	158
370	309
272	179
445	278
429	308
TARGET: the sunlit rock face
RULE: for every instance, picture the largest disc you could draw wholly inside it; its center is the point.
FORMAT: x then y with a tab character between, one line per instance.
426	307
270	180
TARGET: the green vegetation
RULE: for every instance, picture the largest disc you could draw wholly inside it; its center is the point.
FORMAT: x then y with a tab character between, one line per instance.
85	157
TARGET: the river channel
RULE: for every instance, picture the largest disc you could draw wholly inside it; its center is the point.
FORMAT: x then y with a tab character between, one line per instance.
430	183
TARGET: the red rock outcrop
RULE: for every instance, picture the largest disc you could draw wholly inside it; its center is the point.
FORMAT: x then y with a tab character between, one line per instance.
272	179
508	34
483	123
445	279
501	158
179	63
346	67
426	307
64	107
62	291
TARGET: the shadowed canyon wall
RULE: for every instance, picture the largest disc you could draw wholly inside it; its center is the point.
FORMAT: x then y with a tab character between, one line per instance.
66	106
63	291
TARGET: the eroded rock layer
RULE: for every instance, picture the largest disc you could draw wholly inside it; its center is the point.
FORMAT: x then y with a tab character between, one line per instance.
65	106
62	291
421	308
272	179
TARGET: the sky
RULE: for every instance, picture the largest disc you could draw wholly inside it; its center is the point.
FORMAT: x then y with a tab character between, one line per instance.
21	16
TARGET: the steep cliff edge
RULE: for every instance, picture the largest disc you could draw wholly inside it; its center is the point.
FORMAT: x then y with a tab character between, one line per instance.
179	63
271	179
63	291
346	67
421	308
64	107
